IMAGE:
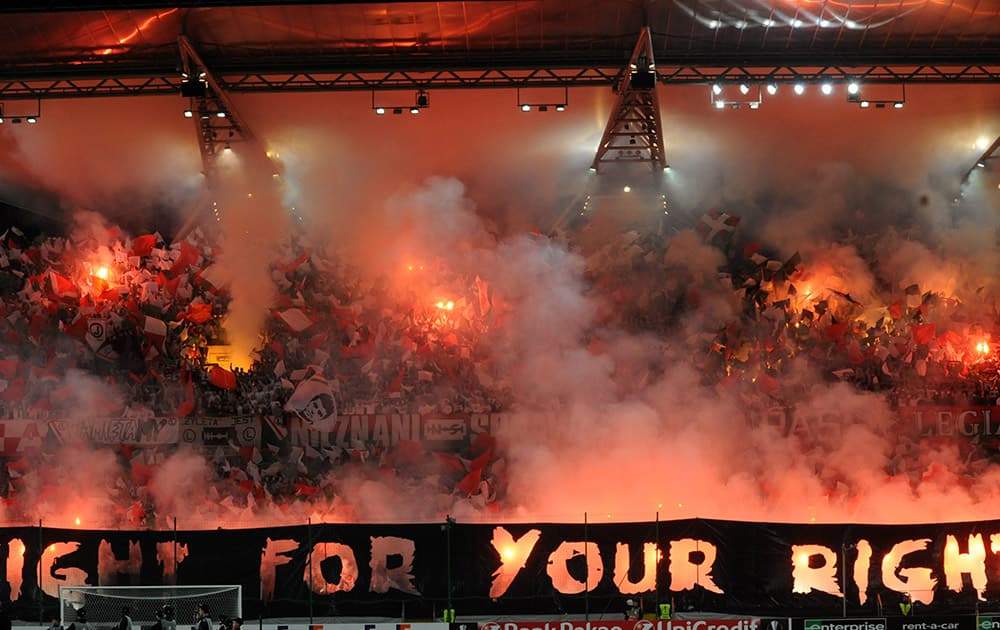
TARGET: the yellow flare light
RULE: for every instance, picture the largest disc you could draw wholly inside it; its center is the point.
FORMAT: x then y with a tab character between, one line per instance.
445	305
983	347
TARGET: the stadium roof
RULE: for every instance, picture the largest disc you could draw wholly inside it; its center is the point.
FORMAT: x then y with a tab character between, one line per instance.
51	49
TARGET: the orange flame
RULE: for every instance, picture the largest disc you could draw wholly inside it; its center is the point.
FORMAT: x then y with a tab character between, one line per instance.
445	305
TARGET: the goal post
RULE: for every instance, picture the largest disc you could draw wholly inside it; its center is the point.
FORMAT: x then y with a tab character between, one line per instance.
103	604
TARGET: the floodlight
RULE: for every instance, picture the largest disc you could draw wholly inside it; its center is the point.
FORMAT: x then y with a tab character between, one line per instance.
560	108
220	114
826	88
716	89
525	108
188	113
772	88
379	110
800	89
32	119
853	87
720	104
898	104
865	104
744	88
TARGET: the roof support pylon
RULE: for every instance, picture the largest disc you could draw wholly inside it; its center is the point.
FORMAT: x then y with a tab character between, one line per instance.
634	133
218	123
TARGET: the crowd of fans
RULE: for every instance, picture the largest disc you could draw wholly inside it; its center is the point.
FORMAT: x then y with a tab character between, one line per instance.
107	325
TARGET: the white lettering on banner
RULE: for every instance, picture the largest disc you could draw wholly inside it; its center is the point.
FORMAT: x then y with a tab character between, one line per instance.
399	577
275	553
929	625
742	623
822	577
967	421
384	429
623	565
691	564
916	582
348	571
558	567
513	556
973	564
841	624
109	566
67	576
486	422
861	567
15	567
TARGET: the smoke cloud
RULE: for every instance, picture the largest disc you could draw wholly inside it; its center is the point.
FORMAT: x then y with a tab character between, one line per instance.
604	420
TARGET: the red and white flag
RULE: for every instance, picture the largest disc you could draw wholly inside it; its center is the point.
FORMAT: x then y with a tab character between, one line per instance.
295	319
155	330
313	401
715	223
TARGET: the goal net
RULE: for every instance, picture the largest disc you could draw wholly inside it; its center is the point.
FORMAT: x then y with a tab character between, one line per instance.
103	604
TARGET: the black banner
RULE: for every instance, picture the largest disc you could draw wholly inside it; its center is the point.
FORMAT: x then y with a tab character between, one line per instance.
819	573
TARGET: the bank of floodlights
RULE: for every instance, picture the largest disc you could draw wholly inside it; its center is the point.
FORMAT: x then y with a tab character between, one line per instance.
856	95
558	105
18	117
735	96
421	101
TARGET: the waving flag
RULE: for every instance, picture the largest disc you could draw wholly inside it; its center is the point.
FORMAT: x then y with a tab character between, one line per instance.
716	224
313	401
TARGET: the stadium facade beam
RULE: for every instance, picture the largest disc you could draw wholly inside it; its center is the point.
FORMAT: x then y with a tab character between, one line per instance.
634	132
110	81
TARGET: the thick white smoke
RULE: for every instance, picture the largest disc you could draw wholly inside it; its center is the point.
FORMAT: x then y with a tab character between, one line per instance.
604	421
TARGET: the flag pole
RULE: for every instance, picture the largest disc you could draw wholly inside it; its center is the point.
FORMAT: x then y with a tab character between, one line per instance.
586	579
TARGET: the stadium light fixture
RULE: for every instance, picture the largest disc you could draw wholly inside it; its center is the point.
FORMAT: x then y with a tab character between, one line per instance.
32	119
800	89
898	104
772	88
826	88
526	104
865	104
744	88
188	113
716	89
220	114
720	104
414	110
853	88
379	110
